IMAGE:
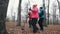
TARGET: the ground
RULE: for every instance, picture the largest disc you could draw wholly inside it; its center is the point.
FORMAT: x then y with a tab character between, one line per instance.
24	29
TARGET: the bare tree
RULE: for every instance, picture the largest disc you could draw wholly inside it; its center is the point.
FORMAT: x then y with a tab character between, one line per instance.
48	10
54	13
26	10
13	17
3	12
44	13
19	13
59	7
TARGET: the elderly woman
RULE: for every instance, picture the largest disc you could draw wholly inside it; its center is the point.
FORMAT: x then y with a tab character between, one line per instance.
34	17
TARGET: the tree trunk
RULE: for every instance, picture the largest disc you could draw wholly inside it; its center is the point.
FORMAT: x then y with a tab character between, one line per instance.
54	16
48	11
44	13
3	12
19	14
54	13
59	8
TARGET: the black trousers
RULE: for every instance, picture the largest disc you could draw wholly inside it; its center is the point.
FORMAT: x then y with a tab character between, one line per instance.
30	23
34	21
40	22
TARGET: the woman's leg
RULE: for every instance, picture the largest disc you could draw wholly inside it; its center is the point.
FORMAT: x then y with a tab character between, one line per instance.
29	23
34	21
40	22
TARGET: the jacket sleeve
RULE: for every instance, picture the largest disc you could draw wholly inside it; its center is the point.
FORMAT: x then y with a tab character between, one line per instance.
41	13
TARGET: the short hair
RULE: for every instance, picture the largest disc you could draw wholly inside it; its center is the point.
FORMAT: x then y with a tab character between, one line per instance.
41	7
35	5
29	8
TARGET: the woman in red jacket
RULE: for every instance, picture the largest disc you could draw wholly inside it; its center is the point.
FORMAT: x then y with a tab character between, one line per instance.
34	16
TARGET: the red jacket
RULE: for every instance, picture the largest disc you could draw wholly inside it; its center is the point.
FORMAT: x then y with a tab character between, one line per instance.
34	13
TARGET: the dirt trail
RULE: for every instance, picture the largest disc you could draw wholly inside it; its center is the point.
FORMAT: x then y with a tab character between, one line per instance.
24	29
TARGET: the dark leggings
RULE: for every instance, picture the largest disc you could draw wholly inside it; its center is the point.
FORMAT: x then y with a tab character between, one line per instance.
34	21
40	22
30	23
